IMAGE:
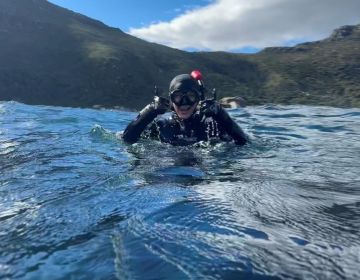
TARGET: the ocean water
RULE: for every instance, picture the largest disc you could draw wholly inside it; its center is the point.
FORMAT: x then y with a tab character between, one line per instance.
77	203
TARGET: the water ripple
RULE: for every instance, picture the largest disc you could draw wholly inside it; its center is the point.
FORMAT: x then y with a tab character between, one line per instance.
76	202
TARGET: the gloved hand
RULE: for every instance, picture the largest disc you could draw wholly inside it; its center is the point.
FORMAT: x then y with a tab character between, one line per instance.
161	104
210	107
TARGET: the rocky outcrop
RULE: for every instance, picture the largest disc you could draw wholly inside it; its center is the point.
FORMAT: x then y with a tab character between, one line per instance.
344	32
232	102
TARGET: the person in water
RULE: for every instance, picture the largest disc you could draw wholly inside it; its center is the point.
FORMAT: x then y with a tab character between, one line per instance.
193	120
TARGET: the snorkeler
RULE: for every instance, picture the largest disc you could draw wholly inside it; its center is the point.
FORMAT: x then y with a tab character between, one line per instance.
193	120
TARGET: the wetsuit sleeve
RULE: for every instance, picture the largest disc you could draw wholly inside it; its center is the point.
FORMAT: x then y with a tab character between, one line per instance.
136	127
231	127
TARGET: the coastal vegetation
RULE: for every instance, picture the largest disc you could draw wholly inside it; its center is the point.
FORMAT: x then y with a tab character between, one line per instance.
53	56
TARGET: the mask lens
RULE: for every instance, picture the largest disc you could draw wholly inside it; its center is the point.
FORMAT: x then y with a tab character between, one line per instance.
180	98
193	97
176	97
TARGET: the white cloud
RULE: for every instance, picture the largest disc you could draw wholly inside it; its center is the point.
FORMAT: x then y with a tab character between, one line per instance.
236	24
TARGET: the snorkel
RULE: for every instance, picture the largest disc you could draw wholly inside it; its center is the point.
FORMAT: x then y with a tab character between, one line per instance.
196	74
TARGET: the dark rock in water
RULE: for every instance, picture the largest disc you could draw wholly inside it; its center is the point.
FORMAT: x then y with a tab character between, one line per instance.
233	102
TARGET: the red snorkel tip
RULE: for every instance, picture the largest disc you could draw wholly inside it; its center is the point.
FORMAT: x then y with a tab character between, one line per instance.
196	74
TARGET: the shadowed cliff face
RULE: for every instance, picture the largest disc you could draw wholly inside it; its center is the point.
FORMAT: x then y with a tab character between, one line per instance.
346	32
50	55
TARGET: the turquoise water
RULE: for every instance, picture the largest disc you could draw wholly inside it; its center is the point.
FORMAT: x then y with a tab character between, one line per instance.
77	203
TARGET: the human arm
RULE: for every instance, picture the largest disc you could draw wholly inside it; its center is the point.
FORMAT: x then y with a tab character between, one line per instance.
212	108
146	116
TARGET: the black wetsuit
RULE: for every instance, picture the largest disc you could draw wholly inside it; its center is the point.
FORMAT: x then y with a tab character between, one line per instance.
184	132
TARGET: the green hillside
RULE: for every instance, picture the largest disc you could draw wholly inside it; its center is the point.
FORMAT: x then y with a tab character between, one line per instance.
54	56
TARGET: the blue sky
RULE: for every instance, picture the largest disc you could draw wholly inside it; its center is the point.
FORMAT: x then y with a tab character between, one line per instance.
222	25
126	14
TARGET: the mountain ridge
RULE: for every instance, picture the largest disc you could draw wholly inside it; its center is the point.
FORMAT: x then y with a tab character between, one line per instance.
54	56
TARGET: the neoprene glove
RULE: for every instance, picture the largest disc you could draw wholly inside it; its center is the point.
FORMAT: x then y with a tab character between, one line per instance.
132	132
161	104
210	108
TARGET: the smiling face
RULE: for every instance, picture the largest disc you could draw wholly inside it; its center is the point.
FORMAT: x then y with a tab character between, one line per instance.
184	111
185	94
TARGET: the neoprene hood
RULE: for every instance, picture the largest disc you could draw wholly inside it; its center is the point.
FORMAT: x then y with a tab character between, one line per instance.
184	83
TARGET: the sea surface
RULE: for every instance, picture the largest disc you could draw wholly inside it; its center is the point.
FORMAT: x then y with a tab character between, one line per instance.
78	203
